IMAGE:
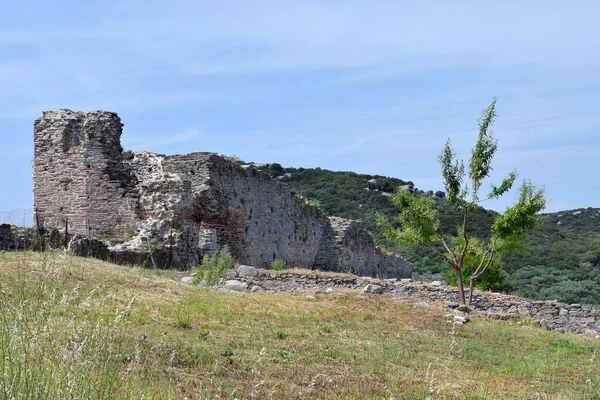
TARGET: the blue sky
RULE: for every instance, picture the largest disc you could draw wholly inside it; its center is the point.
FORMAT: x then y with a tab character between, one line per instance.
368	86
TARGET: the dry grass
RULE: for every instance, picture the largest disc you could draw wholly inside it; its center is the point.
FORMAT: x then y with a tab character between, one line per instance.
92	329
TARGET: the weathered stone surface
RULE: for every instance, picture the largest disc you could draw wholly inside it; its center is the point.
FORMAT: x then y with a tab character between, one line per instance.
188	280
235	285
182	207
246	271
372	288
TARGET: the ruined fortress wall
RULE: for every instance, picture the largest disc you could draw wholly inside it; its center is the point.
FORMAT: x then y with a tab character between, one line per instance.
76	173
183	206
358	254
258	218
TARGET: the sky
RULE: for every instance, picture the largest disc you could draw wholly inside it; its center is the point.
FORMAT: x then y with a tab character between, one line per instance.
374	87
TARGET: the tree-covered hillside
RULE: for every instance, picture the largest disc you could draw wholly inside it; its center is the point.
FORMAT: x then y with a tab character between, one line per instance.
560	258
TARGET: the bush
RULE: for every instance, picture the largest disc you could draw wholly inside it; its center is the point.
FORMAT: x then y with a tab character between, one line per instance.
277	265
212	269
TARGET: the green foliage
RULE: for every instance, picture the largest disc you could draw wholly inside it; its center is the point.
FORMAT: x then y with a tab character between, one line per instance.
212	269
345	194
509	229
468	255
278	265
551	283
182	316
276	169
493	279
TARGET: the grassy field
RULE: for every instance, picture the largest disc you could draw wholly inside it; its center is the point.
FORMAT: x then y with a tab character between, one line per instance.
79	328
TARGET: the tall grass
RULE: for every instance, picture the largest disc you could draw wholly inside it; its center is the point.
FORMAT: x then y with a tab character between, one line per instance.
60	341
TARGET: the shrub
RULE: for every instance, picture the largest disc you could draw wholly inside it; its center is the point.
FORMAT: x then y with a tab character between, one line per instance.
277	265
212	269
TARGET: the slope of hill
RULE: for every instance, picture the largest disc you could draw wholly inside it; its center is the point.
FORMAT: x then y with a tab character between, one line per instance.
560	258
81	328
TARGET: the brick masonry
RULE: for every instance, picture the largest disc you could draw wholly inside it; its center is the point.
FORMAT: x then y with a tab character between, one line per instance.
183	206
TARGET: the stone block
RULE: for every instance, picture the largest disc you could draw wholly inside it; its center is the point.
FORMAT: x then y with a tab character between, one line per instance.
246	271
235	285
373	289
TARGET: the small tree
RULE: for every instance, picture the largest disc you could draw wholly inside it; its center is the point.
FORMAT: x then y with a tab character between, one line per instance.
420	224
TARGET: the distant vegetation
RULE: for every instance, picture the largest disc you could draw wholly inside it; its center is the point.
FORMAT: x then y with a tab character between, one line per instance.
567	242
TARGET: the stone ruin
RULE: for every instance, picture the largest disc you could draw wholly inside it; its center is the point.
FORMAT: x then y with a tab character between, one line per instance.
125	205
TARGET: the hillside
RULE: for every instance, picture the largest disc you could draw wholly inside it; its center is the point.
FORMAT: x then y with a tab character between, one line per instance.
81	328
560	258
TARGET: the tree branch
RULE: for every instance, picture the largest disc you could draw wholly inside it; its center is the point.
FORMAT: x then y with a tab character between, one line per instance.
455	263
489	262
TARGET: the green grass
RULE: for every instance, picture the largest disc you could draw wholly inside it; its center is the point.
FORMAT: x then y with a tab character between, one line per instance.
81	328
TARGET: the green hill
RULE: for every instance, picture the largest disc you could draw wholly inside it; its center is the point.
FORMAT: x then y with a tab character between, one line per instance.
560	258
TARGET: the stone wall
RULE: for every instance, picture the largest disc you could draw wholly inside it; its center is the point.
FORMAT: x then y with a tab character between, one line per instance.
15	238
182	207
553	315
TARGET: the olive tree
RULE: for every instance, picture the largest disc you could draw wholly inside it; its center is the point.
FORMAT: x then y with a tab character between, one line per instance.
420	224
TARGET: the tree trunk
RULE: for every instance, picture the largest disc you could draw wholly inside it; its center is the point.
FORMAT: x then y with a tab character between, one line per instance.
461	289
471	288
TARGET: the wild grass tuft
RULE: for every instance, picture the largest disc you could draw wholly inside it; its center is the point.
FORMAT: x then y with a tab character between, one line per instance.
212	269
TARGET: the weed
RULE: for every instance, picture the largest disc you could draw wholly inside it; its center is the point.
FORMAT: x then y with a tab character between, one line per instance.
281	335
212	269
277	265
182	314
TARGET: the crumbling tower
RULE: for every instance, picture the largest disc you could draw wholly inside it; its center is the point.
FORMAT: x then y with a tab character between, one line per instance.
78	180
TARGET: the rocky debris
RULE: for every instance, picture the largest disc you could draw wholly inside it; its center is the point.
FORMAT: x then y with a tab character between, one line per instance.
329	290
188	280
246	271
310	297
235	285
15	238
423	304
230	275
436	283
552	315
461	319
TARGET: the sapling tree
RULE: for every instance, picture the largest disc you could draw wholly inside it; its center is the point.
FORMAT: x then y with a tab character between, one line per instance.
420	224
